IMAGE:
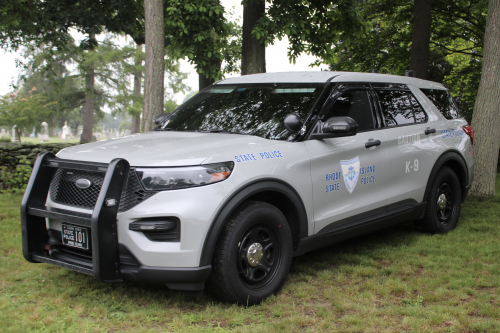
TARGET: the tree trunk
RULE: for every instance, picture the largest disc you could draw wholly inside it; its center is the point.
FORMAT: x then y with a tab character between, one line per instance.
77	124
88	109
486	116
253	52
155	65
136	118
18	131
204	81
51	126
422	19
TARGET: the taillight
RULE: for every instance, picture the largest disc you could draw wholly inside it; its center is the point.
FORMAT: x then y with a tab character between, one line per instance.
470	132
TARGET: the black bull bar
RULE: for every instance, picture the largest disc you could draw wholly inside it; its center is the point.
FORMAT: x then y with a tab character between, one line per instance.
102	222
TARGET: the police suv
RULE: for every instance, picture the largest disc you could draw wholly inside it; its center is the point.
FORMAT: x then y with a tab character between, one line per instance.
247	174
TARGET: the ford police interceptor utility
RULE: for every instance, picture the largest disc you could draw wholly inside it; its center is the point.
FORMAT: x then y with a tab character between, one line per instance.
247	174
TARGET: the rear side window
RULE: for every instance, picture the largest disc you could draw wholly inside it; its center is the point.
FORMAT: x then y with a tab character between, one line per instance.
400	108
355	104
443	100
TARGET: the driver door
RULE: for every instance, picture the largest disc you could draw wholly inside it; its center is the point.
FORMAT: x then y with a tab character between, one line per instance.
349	178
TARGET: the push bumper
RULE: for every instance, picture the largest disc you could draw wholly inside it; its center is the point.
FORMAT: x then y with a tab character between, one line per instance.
108	260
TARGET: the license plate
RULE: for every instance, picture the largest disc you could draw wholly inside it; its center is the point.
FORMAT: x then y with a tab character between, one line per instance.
75	236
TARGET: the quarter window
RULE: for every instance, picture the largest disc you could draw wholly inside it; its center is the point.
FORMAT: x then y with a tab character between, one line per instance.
400	108
443	101
355	104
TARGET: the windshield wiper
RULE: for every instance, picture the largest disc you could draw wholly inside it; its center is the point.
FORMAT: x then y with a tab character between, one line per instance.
222	131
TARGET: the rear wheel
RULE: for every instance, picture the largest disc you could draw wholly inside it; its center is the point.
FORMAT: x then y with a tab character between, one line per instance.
443	203
252	256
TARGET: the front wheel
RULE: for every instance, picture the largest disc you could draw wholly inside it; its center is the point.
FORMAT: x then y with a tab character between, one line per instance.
252	256
443	203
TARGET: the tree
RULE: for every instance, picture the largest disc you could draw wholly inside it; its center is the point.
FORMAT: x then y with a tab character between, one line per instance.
135	111
88	112
422	18
253	50
155	66
48	22
456	44
46	69
314	27
199	31
486	118
23	110
128	100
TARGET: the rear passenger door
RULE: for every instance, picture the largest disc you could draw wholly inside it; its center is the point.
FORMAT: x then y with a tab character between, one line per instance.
409	149
349	178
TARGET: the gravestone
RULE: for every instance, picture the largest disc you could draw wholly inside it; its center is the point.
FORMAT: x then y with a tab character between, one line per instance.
66	135
44	137
15	137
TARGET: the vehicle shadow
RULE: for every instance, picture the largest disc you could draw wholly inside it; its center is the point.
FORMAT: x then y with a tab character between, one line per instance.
354	250
350	252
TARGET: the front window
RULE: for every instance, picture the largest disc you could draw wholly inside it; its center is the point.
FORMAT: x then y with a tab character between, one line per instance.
254	109
355	104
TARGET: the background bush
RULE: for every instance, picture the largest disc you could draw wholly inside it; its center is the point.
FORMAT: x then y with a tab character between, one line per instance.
17	160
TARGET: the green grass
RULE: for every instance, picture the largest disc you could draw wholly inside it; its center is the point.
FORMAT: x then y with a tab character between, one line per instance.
53	139
396	280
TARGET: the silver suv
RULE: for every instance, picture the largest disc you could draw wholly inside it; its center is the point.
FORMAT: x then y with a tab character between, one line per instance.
247	174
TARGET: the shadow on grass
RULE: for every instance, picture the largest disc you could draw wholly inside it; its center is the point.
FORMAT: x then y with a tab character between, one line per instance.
350	252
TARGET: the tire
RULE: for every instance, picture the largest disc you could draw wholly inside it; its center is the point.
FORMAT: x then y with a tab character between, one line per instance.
238	274
443	204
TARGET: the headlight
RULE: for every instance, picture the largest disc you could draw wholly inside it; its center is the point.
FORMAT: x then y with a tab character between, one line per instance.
160	179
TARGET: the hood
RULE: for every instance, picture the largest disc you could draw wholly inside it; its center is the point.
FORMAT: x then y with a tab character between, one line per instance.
163	148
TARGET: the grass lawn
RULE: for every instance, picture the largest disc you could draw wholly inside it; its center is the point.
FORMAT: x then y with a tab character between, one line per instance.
396	280
53	139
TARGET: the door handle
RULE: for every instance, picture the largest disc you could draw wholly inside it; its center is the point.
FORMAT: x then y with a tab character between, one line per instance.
373	143
430	130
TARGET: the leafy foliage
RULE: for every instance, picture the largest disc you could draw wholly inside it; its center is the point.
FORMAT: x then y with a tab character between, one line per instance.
316	27
198	30
456	43
17	178
23	110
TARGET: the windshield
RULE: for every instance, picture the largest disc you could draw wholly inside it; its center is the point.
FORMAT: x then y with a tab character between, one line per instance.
254	109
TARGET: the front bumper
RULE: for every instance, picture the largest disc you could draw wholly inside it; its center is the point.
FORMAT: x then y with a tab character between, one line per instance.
108	260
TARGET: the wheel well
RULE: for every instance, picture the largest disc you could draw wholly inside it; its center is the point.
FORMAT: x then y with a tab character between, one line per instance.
460	172
272	191
286	206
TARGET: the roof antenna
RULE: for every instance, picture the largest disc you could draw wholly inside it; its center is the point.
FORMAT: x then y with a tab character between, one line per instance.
375	70
410	73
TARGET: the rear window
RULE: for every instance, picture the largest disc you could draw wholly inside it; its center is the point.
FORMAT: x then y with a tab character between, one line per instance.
443	100
400	108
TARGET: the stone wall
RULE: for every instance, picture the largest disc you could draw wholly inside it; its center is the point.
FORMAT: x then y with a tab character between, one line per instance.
17	160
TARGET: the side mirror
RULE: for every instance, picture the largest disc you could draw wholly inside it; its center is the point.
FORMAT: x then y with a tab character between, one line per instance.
161	118
336	127
293	123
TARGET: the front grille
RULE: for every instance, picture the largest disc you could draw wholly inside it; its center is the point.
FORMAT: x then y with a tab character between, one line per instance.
133	194
63	189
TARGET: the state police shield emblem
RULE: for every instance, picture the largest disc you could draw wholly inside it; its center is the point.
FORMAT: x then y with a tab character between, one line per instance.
350	171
